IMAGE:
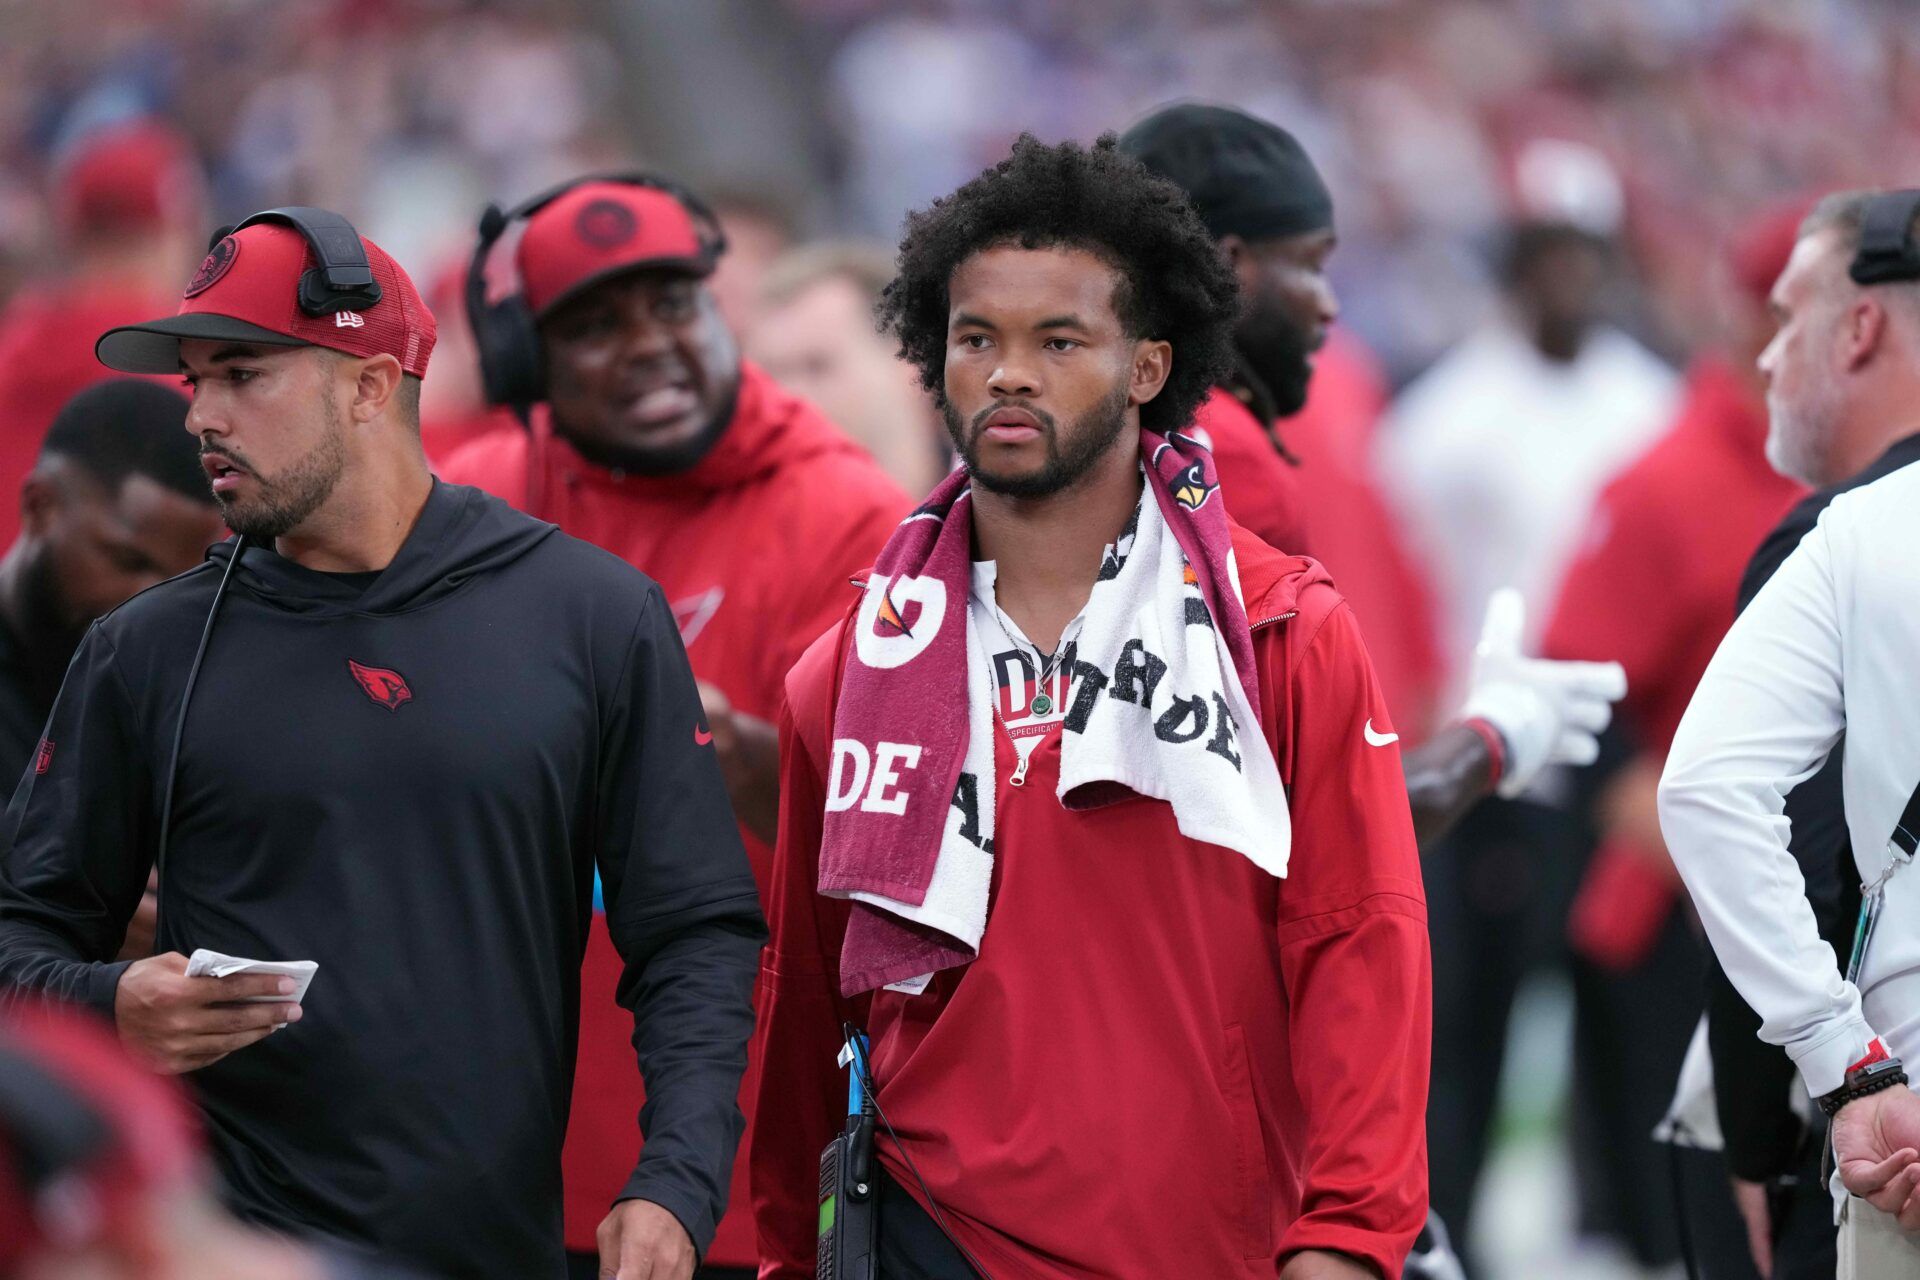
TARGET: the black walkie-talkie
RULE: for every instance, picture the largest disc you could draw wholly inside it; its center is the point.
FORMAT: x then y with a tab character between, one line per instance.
848	1223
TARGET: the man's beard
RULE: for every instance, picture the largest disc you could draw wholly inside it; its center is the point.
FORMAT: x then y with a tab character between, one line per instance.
1279	353
1799	437
285	502
1092	434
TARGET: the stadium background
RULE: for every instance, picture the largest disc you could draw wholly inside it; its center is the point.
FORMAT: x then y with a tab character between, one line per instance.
812	118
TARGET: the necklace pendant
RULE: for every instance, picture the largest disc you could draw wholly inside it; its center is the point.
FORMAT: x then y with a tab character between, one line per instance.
1042	704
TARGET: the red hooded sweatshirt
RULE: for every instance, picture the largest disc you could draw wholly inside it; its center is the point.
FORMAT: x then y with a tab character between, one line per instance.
1164	1062
753	547
47	334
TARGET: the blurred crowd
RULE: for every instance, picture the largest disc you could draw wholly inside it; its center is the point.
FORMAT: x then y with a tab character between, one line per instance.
1558	225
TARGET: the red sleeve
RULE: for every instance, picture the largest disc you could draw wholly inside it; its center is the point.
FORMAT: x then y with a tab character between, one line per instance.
816	591
799	1007
1605	612
1354	956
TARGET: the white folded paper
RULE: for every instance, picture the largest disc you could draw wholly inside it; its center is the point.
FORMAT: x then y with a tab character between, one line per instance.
211	964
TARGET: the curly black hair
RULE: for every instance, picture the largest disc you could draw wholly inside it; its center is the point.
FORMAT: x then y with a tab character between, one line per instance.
1175	285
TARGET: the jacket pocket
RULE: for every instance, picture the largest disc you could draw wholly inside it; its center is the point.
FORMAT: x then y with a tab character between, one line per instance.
1252	1179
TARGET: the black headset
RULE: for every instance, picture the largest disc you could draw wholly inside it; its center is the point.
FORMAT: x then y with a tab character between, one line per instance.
344	279
512	363
1887	252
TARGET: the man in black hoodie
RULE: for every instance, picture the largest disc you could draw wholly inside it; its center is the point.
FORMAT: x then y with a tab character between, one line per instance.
420	721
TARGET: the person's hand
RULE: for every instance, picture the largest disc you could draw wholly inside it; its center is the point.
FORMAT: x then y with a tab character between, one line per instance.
1546	712
748	749
1751	1199
1313	1264
176	1024
138	944
641	1241
1876	1146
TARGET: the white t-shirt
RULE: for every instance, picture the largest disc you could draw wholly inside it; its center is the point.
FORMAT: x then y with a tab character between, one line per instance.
1031	688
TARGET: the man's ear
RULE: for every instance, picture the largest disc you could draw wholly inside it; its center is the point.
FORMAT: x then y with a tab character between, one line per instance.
40	499
1152	366
1240	257
376	383
1862	331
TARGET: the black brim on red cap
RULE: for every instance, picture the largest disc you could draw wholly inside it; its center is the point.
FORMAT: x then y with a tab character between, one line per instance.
154	347
695	268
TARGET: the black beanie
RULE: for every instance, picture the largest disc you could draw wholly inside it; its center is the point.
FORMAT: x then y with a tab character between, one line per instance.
1245	177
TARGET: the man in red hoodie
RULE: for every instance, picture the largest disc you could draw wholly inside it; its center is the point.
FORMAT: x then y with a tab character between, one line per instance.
126	206
659	443
1162	1059
1706	491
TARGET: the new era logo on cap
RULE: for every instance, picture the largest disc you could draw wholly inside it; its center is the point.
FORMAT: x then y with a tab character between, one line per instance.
247	290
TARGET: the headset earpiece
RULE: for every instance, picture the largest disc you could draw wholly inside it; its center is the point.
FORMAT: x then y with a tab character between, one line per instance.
512	363
1887	251
343	280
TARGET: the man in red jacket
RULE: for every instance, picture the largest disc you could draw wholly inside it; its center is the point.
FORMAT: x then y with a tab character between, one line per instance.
1163	1059
1706	490
126	205
1261	198
658	443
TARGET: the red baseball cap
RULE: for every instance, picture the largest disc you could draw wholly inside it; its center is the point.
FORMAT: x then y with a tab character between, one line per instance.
247	290
601	229
1761	248
123	1136
128	177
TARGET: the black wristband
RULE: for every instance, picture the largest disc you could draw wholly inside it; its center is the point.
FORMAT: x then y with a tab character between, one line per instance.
1862	1083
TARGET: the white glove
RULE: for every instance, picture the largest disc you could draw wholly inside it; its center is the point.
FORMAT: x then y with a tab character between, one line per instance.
1547	712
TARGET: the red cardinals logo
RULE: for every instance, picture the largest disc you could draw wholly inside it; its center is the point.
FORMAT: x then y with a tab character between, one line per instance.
605	224
388	688
216	264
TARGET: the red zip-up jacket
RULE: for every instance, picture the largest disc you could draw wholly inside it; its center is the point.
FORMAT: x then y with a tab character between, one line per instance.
753	547
1164	1062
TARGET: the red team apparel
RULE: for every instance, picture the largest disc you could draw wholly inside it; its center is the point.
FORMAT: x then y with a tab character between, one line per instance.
46	356
1261	487
753	547
1353	531
1163	1062
1693	508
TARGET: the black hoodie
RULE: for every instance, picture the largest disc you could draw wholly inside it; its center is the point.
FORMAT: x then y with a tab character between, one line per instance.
410	781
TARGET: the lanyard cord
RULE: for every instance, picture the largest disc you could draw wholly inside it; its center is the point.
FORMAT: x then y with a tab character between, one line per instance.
186	699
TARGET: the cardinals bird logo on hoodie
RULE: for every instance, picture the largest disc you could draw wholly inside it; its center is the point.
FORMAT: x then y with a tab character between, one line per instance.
388	688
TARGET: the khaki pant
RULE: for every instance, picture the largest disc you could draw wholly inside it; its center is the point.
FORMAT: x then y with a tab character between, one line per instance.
1873	1247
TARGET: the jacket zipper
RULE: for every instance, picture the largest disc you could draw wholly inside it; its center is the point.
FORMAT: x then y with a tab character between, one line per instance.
1278	617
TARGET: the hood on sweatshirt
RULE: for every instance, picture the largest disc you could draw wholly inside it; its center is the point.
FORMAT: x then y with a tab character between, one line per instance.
461	534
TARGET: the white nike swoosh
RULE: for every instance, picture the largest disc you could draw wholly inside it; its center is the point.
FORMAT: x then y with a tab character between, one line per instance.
1378	739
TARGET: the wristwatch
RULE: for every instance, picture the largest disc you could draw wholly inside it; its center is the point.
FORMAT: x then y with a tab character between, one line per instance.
1878	1070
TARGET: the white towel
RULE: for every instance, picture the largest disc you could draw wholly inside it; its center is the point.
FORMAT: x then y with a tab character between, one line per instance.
1155	709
